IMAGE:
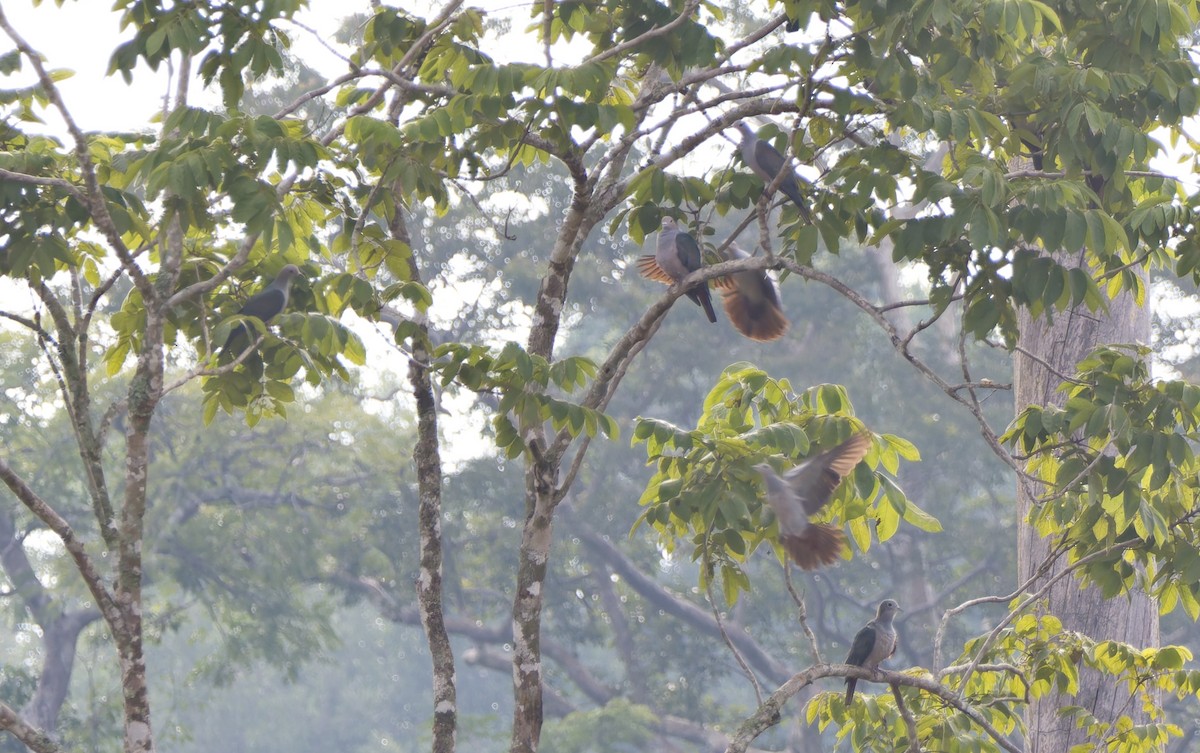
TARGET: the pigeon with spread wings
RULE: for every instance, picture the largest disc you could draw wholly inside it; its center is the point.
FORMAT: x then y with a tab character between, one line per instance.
802	492
751	301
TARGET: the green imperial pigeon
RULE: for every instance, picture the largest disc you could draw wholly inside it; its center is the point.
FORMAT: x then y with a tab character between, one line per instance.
264	305
766	162
802	492
752	301
874	643
675	255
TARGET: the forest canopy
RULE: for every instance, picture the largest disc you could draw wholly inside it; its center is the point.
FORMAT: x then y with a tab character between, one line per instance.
350	400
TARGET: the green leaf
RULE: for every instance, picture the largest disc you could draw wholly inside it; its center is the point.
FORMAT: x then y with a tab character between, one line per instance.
915	516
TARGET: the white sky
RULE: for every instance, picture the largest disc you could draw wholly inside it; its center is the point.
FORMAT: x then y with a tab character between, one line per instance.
80	36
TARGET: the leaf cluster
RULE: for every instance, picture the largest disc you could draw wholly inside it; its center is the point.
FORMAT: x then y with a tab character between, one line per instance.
705	487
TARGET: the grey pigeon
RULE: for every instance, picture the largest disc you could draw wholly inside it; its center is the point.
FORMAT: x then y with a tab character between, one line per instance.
766	162
264	305
874	643
802	492
675	255
751	301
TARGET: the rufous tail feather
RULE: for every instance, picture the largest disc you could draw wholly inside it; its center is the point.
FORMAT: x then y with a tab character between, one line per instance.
762	323
818	545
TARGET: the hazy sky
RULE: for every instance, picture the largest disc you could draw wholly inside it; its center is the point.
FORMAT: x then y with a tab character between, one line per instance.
80	36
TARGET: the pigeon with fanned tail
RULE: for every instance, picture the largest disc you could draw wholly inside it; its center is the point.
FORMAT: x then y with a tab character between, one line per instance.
751	301
802	492
675	255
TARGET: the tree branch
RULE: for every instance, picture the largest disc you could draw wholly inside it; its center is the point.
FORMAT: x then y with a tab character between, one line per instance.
34	739
769	712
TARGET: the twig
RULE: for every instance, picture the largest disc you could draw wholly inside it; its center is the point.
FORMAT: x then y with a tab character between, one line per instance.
914	744
987	643
204	371
37	180
802	614
716	613
1042	569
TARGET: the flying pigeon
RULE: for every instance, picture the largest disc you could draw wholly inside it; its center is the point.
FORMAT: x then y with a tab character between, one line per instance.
676	254
802	492
874	643
752	301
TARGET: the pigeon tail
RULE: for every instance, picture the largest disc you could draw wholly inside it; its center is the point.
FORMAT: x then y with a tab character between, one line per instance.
757	321
701	297
790	188
850	683
818	545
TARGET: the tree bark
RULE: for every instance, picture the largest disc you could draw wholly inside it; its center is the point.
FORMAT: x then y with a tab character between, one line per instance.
1057	344
428	461
527	606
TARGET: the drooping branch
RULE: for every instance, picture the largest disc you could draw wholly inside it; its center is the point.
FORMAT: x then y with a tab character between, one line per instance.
910	724
715	611
877	315
677	606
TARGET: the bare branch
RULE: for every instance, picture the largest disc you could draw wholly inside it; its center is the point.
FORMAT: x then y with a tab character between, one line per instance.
664	599
716	613
34	739
74	546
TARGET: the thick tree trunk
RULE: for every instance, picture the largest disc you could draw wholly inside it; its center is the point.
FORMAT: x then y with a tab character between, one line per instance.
1046	347
60	629
59	640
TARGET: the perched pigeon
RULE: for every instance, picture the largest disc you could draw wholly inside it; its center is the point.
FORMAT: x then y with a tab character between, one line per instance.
874	643
766	162
752	301
802	492
677	254
264	305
